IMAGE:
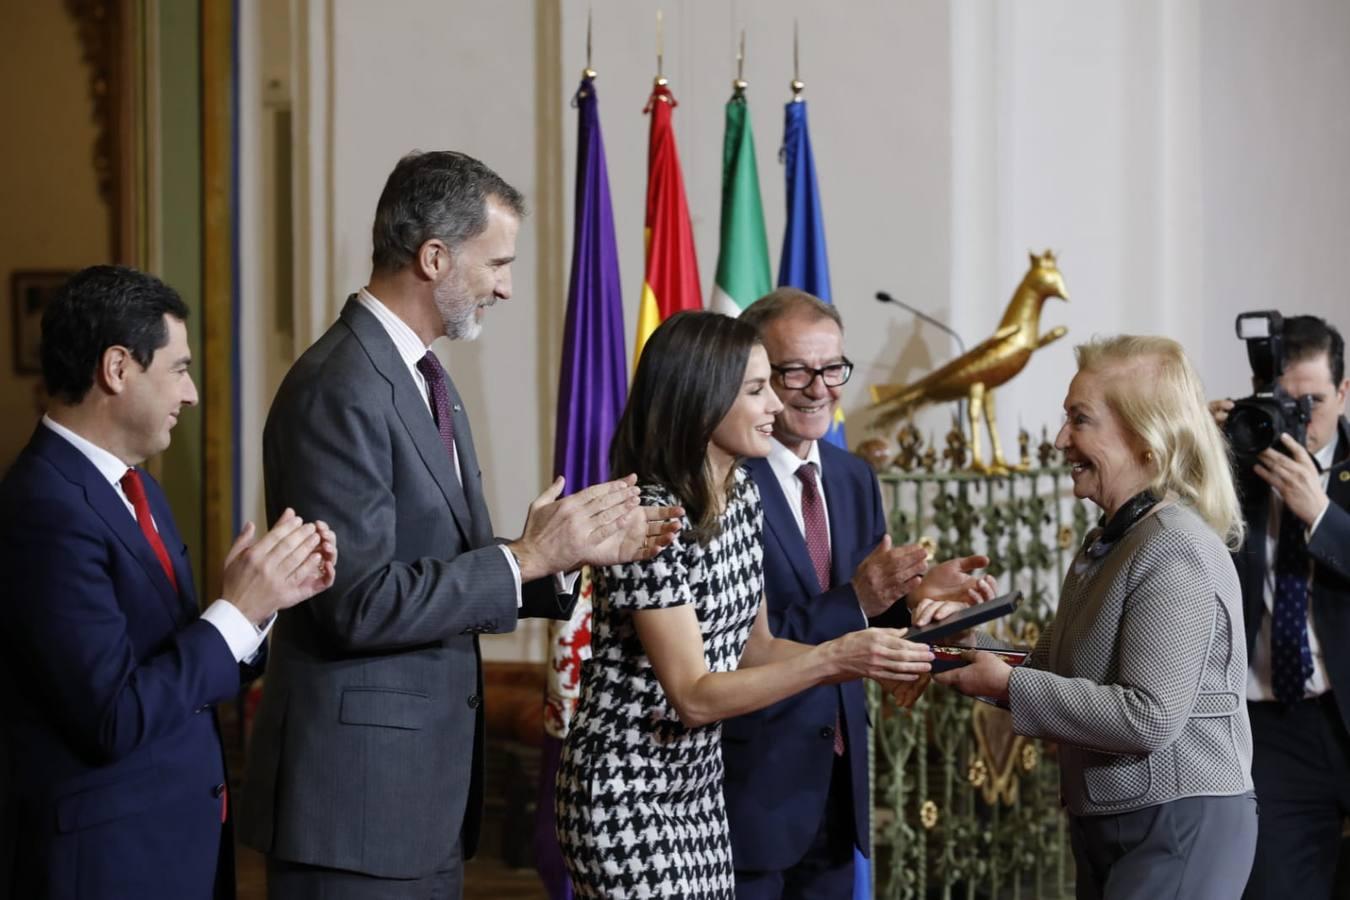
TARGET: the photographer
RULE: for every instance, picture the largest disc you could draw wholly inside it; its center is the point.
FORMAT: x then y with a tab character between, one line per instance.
1295	573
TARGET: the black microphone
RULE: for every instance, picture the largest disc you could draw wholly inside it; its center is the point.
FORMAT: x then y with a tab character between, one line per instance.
887	298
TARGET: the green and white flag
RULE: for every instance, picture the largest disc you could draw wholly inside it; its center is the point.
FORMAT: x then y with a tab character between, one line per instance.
743	274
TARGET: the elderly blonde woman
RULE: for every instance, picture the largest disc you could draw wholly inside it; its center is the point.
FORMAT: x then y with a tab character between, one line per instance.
1141	676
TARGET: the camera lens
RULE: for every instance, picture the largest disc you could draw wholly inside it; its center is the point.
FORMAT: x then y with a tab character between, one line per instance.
1251	428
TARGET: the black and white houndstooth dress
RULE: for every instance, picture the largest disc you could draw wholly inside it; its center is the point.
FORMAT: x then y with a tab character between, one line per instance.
639	807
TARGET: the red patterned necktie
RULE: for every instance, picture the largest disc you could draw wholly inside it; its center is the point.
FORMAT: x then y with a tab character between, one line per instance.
434	373
817	530
817	534
135	491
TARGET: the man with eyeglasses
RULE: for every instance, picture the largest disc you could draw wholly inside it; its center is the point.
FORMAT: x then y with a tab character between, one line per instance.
796	773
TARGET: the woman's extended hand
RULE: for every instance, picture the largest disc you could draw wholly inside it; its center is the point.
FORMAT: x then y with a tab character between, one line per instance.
986	676
880	653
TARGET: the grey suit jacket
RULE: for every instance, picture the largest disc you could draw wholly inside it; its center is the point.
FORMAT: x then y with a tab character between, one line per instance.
367	750
1141	677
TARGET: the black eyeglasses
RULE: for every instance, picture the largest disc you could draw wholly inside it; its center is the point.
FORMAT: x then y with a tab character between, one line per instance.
800	377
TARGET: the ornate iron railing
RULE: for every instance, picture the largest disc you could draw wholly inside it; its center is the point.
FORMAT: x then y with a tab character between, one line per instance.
963	807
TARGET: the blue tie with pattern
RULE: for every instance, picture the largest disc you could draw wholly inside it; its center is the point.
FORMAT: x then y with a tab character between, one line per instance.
1290	657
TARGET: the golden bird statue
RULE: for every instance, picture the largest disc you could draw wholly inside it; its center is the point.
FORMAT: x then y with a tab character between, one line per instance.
974	374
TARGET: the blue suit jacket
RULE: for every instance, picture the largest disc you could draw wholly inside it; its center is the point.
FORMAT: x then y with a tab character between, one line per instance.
115	769
779	760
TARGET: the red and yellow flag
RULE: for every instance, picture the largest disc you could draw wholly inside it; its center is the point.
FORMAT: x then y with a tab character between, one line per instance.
671	276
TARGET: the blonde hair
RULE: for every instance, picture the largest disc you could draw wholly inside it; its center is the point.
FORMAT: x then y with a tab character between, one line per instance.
1163	404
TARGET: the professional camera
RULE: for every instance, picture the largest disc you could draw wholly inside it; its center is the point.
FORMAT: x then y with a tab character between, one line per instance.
1256	422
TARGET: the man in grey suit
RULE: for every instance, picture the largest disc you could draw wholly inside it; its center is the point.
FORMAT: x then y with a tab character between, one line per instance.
365	773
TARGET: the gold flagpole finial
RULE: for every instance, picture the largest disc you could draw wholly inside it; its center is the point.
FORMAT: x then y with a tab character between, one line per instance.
797	85
588	72
660	51
740	84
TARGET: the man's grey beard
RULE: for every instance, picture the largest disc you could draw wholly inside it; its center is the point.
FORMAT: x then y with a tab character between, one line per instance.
458	315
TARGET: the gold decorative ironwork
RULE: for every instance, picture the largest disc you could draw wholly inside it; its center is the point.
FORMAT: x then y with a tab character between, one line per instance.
1031	756
1023	449
1065	538
955	454
1045	450
999	750
974	375
928	814
910	441
876	452
929	545
977	772
929	459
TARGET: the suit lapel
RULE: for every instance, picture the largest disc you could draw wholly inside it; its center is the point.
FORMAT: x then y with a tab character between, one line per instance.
173	543
471	475
1326	603
106	503
411	409
781	526
839	506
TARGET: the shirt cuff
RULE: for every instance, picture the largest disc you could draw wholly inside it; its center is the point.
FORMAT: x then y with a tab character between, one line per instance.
241	636
1307	536
515	572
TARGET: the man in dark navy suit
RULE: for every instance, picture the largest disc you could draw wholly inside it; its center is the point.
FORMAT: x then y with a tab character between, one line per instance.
116	780
796	773
1295	571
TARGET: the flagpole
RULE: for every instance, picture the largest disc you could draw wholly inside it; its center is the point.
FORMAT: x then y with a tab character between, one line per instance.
797	85
740	84
660	52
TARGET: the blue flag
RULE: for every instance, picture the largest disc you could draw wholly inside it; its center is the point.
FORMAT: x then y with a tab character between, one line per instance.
804	264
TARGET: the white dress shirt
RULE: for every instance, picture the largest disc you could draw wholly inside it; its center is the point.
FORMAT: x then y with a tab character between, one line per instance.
785	464
1258	672
242	637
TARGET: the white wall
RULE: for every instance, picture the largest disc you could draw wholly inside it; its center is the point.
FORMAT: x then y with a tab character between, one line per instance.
1187	159
1276	166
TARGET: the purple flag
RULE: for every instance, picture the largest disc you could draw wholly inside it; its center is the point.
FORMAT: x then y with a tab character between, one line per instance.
592	387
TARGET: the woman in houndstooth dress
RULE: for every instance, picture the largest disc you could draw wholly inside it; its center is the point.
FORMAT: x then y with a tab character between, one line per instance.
681	641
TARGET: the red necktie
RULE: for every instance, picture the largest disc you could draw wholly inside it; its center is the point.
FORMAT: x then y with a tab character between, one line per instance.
135	491
817	530
817	534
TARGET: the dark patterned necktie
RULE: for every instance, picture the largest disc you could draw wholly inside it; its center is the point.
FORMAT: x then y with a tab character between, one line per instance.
817	530
135	491
817	534
434	373
1290	657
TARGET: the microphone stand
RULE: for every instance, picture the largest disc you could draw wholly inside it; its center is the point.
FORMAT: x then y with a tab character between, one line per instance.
885	297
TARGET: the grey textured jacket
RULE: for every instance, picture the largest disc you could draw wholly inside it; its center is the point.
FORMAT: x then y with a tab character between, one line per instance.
1141	677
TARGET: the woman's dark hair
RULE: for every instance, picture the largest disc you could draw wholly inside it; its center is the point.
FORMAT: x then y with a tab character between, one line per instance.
688	376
